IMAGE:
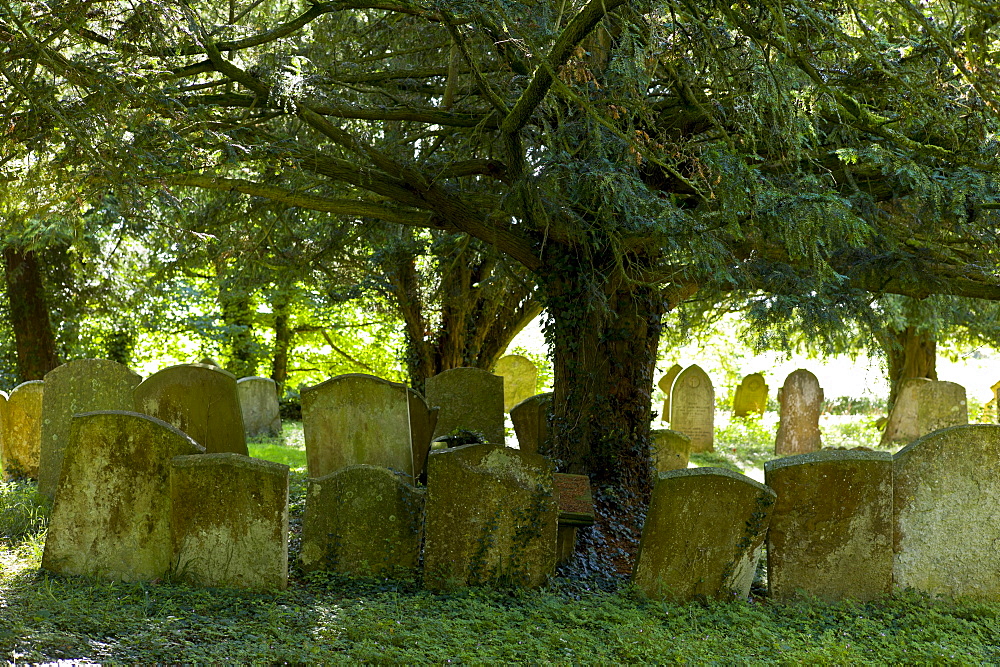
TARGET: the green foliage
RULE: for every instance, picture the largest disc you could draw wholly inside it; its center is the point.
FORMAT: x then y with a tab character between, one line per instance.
23	511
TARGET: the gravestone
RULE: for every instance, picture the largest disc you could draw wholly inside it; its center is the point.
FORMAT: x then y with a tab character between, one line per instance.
22	430
671	450
946	508
490	518
259	406
200	400
470	399
519	379
4	474
576	508
665	384
111	517
831	527
692	408
801	401
85	385
703	535
924	406
996	401
750	396
229	521
362	520
531	422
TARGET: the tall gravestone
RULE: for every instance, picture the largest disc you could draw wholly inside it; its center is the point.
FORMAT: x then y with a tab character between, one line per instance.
946	508
831	527
996	401
665	384
671	450
519	379
259	406
86	385
111	517
924	406
703	535
22	430
4	474
470	399
200	400
692	408
801	402
750	396
530	418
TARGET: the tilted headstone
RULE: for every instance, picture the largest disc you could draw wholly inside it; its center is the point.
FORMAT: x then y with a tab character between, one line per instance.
470	399
111	517
665	384
946	507
801	402
703	535
519	379
259	406
85	385
362	520
22	430
198	399
531	422
924	406
491	518
692	408
671	450
229	521
750	396
831	527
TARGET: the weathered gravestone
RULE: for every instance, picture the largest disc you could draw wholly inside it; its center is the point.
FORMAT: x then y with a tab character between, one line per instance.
924	406
703	535
3	446
692	408
946	506
359	419
831	527
259	406
750	396
671	450
86	385
362	520
198	399
470	399
111	517
229	521
801	402
996	401
519	379
491	518
665	384
530	418
22	430
576	509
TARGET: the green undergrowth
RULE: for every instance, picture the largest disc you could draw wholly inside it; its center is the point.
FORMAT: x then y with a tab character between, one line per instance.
289	449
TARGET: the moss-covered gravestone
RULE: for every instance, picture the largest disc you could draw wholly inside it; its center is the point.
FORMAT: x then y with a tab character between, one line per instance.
470	399
924	406
362	520
831	528
946	508
22	430
519	379
703	535
750	396
491	518
692	408
259	406
229	521
665	384
85	385
200	400
801	402
671	450
530	418
111	517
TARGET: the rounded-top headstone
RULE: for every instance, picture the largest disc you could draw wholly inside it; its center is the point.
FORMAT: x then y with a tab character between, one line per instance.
665	384
530	418
801	401
470	399
519	379
259	406
750	396
692	408
22	430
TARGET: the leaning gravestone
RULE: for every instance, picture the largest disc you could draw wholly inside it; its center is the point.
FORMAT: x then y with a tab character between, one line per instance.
831	527
198	399
946	506
703	535
801	401
692	408
490	518
259	406
531	422
665	384
86	385
924	406
519	379
470	399
229	521
750	396
22	430
671	450
362	520
111	517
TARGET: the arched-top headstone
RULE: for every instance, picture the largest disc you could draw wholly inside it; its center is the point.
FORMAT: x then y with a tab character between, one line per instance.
519	379
259	406
924	406
22	430
801	401
665	384
531	422
470	399
692	408
750	396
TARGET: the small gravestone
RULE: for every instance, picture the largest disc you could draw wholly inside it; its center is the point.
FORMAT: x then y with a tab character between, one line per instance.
531	422
924	406
85	385
576	509
831	527
703	535
801	402
200	400
209	361
946	507
665	384
259	406
750	396
491	518
111	517
470	399
519	379
362	520
229	521
692	408
671	450
22	430
996	401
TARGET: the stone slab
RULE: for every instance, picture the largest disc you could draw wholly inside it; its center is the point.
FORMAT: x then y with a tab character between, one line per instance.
530	418
470	399
665	384
751	396
574	499
924	406
801	402
519	379
259	407
671	450
22	430
692	408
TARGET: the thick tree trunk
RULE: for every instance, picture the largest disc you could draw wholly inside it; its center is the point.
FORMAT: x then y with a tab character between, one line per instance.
910	354
29	315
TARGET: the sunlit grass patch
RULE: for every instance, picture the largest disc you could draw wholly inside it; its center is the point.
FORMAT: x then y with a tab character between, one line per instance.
289	449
